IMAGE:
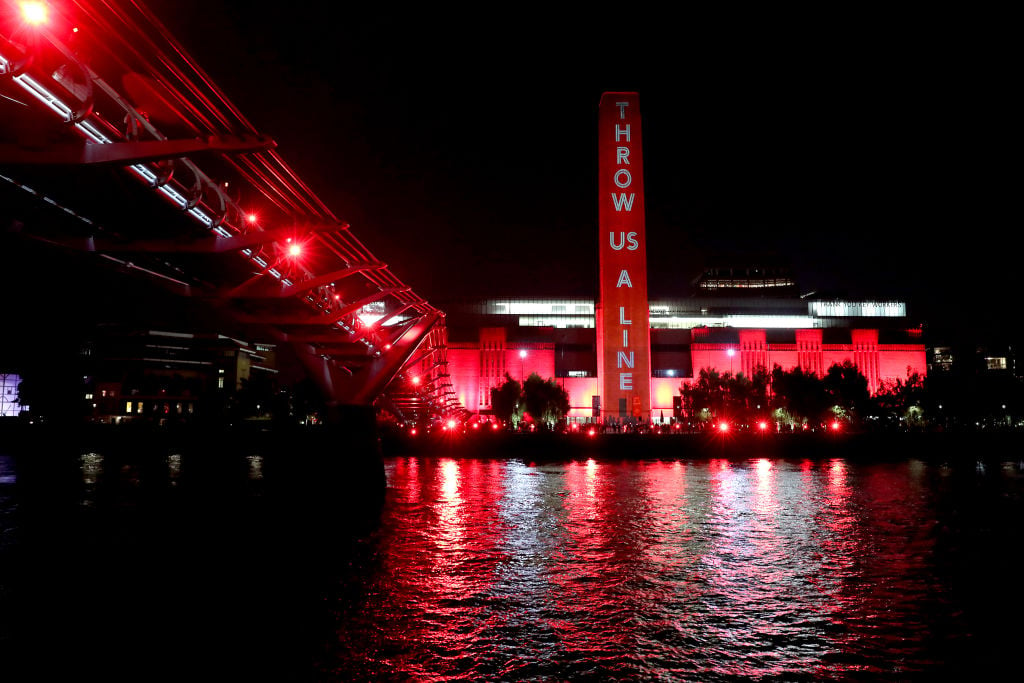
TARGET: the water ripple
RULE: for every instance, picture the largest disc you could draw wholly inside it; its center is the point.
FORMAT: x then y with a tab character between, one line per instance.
711	571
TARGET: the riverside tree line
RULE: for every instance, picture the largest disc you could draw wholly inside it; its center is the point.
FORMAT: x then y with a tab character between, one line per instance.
794	399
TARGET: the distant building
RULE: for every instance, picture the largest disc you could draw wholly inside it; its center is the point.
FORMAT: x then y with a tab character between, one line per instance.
742	319
161	376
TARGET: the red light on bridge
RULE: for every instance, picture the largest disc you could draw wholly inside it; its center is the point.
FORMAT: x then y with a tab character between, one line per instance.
35	13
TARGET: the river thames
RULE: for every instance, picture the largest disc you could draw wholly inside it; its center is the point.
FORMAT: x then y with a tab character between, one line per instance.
158	566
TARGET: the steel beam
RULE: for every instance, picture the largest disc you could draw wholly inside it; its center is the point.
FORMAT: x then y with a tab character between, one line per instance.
320	319
276	290
208	245
128	153
373	378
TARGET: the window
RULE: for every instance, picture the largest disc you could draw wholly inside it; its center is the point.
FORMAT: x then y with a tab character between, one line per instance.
992	363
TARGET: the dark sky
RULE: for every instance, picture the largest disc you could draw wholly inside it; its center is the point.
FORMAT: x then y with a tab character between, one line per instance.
870	153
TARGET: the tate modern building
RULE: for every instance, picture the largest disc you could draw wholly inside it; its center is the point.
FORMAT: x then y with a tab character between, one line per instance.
624	357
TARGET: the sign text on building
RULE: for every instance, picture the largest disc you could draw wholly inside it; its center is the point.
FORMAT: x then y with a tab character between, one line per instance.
623	327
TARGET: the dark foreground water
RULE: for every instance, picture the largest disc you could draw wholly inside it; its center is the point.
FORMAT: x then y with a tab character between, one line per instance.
135	566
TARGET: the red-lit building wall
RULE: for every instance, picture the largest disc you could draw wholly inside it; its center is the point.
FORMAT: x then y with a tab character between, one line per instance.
464	368
898	361
475	368
662	391
581	391
879	363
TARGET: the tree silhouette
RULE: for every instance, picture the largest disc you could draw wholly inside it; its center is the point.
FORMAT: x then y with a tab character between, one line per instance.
506	401
801	394
847	388
738	397
545	400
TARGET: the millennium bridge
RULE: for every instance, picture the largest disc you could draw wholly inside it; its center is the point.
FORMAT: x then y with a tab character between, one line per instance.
117	147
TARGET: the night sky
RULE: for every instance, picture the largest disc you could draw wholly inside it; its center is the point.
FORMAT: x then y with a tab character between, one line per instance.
870	154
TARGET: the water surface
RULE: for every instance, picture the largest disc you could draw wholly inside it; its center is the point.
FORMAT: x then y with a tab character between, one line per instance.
167	566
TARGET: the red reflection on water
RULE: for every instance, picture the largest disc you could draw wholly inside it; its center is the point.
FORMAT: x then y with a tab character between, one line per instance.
636	570
583	578
668	522
442	552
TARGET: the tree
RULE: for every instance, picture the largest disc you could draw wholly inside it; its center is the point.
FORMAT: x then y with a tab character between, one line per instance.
706	396
545	400
717	394
902	399
506	401
848	389
801	394
746	395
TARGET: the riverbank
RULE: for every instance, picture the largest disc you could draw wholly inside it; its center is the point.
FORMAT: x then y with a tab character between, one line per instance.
296	466
297	447
864	445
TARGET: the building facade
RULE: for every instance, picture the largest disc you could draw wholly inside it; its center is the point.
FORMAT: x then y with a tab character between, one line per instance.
730	331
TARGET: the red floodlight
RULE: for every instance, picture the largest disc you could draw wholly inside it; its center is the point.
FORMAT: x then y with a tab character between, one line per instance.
251	218
723	426
294	249
451	424
835	425
762	425
35	13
